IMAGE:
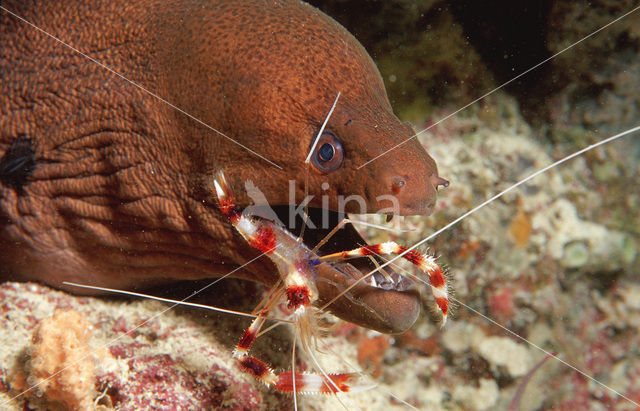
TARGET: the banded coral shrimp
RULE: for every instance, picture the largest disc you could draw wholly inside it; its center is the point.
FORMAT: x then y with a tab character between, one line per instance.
474	247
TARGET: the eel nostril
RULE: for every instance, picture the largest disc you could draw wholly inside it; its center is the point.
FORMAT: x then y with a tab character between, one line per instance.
438	181
397	184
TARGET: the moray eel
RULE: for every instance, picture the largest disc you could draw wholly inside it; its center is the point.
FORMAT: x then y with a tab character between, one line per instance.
108	152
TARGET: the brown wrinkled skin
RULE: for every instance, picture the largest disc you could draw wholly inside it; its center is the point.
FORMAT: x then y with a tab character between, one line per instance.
121	195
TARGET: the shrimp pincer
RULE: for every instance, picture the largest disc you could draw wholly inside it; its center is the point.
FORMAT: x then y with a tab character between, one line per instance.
298	266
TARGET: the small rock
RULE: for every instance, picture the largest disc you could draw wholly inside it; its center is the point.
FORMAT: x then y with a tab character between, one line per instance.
576	254
481	398
501	351
631	295
458	337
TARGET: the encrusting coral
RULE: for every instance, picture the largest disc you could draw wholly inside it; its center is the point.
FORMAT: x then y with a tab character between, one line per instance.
62	363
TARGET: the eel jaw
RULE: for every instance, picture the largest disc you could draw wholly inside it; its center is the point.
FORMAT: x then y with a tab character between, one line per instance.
387	310
388	306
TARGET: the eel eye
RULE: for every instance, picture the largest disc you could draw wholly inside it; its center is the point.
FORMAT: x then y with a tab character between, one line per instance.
329	154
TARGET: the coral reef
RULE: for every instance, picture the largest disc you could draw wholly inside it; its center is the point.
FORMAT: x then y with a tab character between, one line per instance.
61	364
117	354
535	262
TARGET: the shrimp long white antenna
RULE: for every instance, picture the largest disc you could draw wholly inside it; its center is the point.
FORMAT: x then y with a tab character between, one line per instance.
380	227
113	341
518	336
293	367
360	371
306	162
324	124
485	203
364	223
169	300
138	85
330	384
501	86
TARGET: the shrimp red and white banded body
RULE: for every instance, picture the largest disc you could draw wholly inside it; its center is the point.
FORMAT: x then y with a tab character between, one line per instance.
297	265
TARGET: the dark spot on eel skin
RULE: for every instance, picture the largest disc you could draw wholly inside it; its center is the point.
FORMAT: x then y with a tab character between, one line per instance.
122	193
17	163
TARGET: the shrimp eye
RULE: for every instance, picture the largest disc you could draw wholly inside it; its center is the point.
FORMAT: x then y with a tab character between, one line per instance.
329	154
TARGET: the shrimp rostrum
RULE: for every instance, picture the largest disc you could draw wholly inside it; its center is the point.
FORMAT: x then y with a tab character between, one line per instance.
298	288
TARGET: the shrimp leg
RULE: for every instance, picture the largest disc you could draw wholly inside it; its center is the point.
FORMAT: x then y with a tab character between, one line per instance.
426	263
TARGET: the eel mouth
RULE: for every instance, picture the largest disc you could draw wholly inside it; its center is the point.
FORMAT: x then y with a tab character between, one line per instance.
389	304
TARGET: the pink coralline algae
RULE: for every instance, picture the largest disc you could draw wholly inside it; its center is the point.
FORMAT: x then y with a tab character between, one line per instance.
167	363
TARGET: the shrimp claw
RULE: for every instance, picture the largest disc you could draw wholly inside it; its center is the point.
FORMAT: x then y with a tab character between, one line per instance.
427	263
